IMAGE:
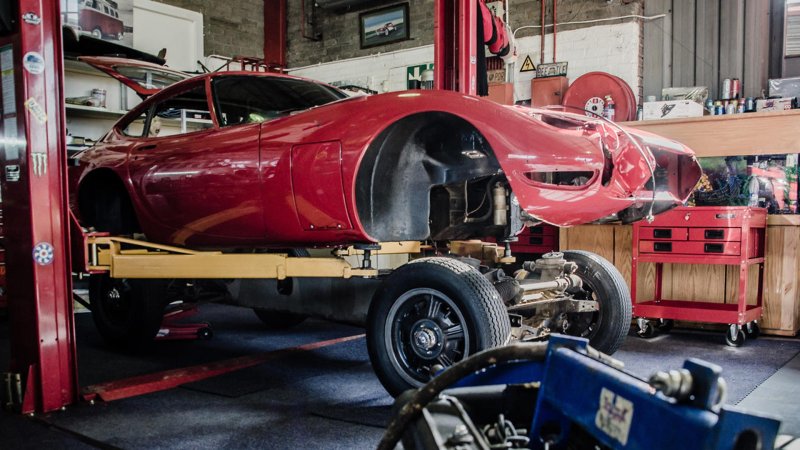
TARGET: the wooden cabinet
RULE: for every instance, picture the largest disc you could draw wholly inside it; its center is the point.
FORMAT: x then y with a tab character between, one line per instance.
548	91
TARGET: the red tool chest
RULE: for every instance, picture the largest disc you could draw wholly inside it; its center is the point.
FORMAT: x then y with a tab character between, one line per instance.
702	235
539	239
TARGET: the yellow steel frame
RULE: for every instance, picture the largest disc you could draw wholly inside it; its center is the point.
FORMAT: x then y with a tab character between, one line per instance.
142	259
131	258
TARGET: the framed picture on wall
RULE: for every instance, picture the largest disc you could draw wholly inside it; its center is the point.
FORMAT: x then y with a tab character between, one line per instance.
384	26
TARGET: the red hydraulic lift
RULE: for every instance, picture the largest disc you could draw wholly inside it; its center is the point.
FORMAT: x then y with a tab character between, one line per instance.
42	374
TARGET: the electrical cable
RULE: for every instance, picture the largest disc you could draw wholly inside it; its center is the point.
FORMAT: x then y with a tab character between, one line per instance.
534	352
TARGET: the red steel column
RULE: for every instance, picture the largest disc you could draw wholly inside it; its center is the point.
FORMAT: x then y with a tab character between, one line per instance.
455	45
33	176
275	32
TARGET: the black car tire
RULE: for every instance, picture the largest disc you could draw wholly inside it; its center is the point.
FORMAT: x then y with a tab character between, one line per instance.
602	282
429	314
281	320
127	312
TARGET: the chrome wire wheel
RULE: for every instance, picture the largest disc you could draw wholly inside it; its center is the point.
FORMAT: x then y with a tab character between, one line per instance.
425	332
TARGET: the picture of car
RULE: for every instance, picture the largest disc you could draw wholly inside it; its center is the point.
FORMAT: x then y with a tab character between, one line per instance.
386	30
245	161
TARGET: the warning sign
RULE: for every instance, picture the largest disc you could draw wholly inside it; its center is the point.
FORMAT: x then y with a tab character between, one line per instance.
527	66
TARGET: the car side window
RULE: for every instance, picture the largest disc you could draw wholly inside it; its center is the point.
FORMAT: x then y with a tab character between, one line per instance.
135	128
182	113
256	98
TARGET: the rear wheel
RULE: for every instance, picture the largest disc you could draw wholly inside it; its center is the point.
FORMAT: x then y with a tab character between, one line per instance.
428	315
127	312
606	328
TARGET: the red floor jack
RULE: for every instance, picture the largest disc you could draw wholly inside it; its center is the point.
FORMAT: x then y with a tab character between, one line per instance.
171	329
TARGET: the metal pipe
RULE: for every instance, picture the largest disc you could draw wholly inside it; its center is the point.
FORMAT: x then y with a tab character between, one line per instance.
541	35
555	31
560	283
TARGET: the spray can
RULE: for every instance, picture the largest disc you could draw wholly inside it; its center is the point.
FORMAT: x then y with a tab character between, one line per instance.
718	108
740	107
736	86
726	89
609	110
730	107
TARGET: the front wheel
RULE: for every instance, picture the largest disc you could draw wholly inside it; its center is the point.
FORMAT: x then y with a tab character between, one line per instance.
606	328
428	315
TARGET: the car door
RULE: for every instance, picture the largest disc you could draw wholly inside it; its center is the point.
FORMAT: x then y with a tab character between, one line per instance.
196	178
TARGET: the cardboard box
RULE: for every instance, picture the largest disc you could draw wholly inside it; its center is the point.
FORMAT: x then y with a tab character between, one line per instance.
671	109
774	104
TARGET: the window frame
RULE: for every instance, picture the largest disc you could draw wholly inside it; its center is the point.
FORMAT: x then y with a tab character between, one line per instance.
152	103
218	109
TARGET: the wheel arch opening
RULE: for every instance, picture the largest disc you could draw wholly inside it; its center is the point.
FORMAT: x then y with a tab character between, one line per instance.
105	204
406	162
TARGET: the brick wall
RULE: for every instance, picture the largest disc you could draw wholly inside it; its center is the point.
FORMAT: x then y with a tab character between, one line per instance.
340	31
607	48
231	27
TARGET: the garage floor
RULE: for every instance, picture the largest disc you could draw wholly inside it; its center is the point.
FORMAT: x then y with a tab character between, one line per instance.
328	397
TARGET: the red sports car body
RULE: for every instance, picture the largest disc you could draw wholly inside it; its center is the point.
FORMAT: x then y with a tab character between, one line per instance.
233	159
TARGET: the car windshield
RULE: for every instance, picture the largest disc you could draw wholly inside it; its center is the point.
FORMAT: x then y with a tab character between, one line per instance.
254	98
150	78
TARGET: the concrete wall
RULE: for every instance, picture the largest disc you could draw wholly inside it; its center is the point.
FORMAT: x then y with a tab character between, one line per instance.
231	28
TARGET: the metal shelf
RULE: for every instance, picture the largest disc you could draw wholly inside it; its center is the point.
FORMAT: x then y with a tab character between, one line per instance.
93	112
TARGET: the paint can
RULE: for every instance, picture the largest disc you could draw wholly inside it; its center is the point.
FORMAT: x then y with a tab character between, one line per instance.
100	96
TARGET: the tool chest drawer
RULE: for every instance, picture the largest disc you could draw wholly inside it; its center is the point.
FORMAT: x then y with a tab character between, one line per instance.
664	233
690	247
539	239
715	234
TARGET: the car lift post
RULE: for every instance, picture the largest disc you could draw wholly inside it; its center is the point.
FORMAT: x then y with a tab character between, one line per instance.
43	372
455	47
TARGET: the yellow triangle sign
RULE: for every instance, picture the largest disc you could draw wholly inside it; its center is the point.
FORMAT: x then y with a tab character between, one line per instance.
527	66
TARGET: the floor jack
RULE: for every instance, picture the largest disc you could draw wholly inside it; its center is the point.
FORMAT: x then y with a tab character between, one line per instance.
172	329
565	395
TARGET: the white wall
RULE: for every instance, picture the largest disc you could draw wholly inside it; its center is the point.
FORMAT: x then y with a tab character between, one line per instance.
383	72
606	48
180	31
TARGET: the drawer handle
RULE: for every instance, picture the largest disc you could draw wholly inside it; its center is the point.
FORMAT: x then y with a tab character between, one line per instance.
713	248
714	234
662	233
726	216
535	240
662	246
